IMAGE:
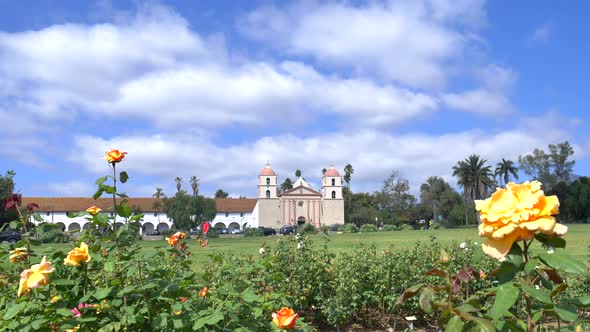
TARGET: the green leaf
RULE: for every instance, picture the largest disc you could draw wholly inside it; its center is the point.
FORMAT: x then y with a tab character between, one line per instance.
506	297
13	224
566	312
103	293
101	180
37	216
63	282
124	211
425	299
408	293
562	262
507	272
467	308
101	219
541	295
214	318
483	325
455	324
38	323
515	255
582	301
98	193
550	241
123	177
249	296
13	310
64	312
531	265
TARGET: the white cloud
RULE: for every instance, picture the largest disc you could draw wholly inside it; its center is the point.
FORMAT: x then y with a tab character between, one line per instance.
492	98
72	188
136	70
542	33
413	42
374	155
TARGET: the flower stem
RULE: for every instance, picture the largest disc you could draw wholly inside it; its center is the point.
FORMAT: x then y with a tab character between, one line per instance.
529	316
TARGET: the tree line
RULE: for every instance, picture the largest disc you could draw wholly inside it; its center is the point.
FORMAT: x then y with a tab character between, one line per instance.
477	179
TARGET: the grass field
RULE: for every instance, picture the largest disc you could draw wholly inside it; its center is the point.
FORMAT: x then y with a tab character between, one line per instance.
578	241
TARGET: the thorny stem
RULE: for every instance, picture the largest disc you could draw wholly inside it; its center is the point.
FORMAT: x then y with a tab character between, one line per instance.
529	316
28	237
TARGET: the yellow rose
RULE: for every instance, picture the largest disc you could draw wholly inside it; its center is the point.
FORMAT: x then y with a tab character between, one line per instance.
18	255
114	156
203	292
515	214
93	210
78	255
285	318
34	277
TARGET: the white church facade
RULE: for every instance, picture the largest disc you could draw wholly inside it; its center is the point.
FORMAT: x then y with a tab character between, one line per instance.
301	204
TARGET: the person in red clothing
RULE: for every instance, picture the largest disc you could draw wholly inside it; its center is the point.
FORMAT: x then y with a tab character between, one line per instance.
205	229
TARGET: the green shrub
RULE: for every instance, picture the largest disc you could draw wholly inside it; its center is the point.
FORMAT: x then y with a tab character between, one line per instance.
253	232
167	232
307	229
406	227
350	228
324	229
368	228
51	233
389	228
437	225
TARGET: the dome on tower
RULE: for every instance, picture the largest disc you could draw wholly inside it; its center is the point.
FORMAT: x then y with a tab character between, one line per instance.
267	171
332	171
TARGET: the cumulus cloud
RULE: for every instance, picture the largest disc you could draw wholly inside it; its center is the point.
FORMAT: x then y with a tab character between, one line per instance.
412	42
374	155
492	98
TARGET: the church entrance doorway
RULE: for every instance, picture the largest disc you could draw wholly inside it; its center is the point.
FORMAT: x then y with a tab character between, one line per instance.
300	220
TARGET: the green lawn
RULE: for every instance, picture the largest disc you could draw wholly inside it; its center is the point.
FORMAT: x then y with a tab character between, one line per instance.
578	241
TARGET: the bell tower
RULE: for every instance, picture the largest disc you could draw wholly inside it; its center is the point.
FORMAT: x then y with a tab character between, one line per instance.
332	184
267	183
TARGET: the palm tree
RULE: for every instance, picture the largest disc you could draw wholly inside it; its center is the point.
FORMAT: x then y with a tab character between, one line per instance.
195	185
298	173
474	177
178	183
324	170
503	170
430	191
348	170
158	204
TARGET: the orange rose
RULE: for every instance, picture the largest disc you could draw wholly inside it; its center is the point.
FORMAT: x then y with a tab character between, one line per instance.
515	214
114	156
78	255
173	240
93	210
37	275
285	318
203	292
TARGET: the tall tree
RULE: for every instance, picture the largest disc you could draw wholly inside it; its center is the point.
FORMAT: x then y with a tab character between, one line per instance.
504	169
287	184
439	197
221	194
178	181
158	205
348	170
395	201
298	173
476	179
549	168
195	185
7	184
187	211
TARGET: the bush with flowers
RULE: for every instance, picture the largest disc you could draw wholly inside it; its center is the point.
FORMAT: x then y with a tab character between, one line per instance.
104	283
529	293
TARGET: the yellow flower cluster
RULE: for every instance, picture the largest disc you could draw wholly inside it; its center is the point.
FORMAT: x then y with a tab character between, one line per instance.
516	213
78	255
18	255
37	275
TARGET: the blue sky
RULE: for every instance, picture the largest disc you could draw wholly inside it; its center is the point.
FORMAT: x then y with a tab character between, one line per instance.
216	89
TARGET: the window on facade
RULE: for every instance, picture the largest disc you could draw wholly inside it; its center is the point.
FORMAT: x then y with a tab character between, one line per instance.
333	194
268	181
226	214
48	213
241	214
300	203
333	182
268	194
155	214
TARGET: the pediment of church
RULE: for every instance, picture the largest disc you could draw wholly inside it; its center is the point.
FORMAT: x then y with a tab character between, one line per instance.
301	191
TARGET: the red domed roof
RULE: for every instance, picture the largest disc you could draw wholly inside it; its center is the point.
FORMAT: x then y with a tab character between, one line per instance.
332	172
267	171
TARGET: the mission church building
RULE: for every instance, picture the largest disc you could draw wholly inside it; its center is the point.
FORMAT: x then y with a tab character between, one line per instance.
299	205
